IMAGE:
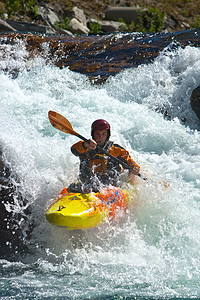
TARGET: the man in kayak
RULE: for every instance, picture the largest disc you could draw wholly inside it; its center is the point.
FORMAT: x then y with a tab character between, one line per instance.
98	169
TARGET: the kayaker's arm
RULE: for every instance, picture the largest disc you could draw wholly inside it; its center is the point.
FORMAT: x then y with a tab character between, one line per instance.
124	156
79	149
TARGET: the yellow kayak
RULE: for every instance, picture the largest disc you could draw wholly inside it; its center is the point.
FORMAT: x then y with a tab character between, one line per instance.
79	211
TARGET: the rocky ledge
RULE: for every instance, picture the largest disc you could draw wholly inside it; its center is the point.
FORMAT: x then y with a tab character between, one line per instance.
58	19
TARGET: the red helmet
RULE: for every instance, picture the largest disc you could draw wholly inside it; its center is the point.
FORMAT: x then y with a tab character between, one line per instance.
100	124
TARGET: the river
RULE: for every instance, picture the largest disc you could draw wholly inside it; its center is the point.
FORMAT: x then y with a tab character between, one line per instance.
153	253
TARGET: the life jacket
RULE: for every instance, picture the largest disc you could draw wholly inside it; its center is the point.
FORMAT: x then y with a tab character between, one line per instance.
98	162
92	162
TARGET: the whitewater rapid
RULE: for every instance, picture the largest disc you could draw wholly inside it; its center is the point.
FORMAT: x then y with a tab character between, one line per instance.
154	251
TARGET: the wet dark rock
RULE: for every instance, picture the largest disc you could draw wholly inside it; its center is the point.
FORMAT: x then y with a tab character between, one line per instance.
11	237
5	27
101	56
28	27
195	101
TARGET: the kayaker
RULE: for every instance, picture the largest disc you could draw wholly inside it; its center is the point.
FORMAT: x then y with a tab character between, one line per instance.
97	169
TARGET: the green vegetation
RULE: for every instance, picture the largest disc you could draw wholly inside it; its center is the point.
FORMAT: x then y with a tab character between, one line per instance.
12	6
95	28
150	20
27	7
31	8
196	22
64	25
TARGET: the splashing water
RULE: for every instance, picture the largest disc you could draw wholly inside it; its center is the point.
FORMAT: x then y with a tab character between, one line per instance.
154	251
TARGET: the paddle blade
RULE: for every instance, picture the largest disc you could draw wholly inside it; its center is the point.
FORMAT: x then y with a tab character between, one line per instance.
60	122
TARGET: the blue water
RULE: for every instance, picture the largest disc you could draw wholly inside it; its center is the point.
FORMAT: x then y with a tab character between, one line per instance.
153	252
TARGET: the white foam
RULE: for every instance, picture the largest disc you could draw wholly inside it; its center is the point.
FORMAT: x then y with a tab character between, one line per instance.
159	235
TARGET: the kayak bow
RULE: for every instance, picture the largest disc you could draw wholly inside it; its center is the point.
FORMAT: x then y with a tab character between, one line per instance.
79	211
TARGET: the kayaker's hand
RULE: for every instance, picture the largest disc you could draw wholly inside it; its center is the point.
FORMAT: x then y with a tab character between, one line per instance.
134	171
91	145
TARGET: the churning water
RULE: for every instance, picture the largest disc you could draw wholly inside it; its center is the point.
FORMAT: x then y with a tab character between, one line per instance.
154	251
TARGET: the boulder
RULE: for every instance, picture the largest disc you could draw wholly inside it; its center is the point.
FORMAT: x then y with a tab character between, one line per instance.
63	31
28	27
5	27
79	15
76	13
47	15
195	101
78	27
128	14
110	26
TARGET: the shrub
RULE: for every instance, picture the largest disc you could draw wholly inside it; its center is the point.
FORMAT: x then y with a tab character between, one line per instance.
196	23
151	20
29	7
94	27
64	24
13	6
